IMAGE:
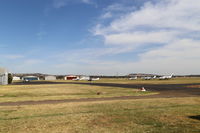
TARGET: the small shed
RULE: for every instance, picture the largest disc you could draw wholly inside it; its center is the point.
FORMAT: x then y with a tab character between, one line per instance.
3	76
70	77
30	78
50	77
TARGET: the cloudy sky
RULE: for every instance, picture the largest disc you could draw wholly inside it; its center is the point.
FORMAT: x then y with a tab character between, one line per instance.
100	36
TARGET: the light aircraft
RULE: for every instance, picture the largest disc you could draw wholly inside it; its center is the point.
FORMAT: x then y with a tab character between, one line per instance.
93	79
149	78
82	78
76	79
166	77
133	78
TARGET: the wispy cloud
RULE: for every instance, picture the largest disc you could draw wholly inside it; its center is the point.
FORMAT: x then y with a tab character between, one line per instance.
11	56
41	34
162	35
87	1
32	62
59	3
106	15
63	3
170	29
165	15
173	24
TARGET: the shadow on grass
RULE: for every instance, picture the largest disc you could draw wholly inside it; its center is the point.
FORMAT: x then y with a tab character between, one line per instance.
196	117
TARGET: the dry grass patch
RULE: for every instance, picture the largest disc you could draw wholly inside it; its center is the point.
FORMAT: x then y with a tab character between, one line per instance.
12	93
130	116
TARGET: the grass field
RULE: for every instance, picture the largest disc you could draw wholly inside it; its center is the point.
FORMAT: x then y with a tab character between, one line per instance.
160	115
13	93
131	116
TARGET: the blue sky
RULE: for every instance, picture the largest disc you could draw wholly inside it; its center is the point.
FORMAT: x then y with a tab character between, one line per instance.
100	36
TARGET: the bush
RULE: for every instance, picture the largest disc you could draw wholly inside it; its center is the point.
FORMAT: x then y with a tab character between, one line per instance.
10	78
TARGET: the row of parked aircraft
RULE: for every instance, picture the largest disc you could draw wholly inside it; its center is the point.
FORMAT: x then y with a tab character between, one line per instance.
153	77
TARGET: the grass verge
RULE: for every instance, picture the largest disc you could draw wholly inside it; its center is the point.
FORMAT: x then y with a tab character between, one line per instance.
129	116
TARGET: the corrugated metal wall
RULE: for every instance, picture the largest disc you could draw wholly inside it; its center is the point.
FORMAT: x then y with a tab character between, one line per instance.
4	79
50	77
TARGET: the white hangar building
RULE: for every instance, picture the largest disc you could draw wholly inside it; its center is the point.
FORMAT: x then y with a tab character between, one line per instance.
3	76
50	77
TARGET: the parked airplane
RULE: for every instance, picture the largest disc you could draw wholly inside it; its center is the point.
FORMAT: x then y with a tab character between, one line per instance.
93	79
76	79
85	78
165	77
133	78
82	78
149	78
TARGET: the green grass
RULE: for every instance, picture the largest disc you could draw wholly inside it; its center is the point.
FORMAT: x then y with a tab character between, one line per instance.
13	93
129	116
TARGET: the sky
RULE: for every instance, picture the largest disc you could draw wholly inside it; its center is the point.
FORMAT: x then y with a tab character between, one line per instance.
100	37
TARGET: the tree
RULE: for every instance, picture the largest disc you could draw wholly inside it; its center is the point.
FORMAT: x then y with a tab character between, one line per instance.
10	78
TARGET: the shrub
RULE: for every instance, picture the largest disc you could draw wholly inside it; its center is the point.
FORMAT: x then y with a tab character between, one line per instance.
10	78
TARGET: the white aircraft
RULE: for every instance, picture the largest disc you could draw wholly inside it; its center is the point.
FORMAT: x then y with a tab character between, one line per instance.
93	79
133	78
82	78
149	78
166	77
76	79
146	78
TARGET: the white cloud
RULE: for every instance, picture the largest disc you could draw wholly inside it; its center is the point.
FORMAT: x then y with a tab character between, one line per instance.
174	24
180	57
178	14
86	1
136	38
59	3
174	14
11	56
32	62
106	15
182	49
88	54
119	7
63	3
41	34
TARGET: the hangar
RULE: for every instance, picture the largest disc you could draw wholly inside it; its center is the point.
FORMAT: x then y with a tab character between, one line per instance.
3	76
50	77
70	77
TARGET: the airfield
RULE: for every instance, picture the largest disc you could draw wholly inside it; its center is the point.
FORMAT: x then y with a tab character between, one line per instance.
104	106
